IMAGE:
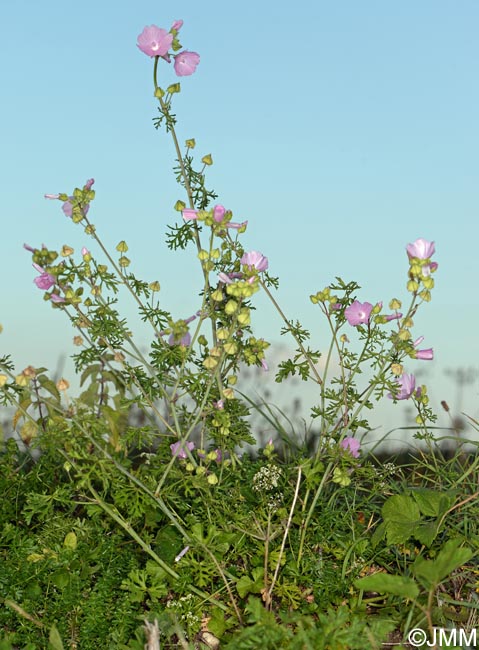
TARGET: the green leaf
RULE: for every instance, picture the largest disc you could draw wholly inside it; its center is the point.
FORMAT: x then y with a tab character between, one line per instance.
70	541
432	503
61	578
401	515
54	639
246	585
450	557
384	583
49	386
426	532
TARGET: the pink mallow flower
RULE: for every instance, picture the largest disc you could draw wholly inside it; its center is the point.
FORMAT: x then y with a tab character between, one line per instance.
54	297
390	317
358	313
185	63
421	248
406	384
352	445
237	226
425	355
189	214
422	355
255	260
154	41
45	280
178	448
218	213
67	208
184	341
177	25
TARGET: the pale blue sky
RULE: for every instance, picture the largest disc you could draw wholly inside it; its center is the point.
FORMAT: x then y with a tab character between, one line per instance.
340	130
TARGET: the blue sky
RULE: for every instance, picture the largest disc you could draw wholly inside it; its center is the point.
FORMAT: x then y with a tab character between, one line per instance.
340	130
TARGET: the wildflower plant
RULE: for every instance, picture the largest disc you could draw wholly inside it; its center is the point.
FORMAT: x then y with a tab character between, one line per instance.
214	528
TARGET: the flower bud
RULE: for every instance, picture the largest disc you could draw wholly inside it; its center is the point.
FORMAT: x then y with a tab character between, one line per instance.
217	295
180	205
174	88
231	347
425	295
404	335
397	369
210	363
122	247
63	384
428	282
231	307
207	160
67	251
244	317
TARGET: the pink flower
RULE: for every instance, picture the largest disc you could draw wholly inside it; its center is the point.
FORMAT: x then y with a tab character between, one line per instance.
189	214
178	448
225	278
184	341
89	183
358	313
406	384
264	365
236	226
421	248
425	355
177	25
390	317
154	41
67	208
255	260
352	445
218	213
29	248
51	196
185	63
45	280
54	297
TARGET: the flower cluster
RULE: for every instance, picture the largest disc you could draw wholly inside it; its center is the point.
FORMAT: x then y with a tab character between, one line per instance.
218	217
267	478
352	445
156	42
421	268
178	449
